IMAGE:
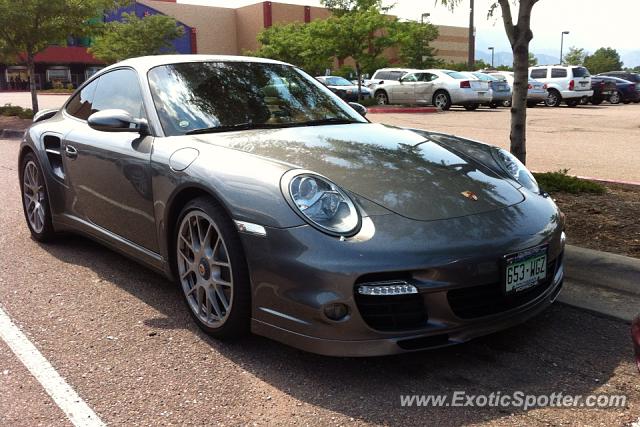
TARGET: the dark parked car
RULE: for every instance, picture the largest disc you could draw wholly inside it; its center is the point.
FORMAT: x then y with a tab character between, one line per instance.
278	208
635	335
344	88
625	75
603	88
626	92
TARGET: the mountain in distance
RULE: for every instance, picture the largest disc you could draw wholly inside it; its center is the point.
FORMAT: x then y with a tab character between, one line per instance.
506	58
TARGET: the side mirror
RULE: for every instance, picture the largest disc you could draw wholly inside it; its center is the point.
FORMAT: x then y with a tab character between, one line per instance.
361	109
117	121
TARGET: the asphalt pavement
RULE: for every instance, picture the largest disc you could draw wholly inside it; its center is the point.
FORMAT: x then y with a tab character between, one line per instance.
123	340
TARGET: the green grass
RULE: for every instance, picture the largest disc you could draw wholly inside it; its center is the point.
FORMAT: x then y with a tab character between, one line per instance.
14	110
562	182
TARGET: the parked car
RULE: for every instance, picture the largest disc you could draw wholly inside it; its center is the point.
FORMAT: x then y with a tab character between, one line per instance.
388	74
568	84
441	88
536	92
625	75
603	89
627	91
635	336
278	208
500	89
344	88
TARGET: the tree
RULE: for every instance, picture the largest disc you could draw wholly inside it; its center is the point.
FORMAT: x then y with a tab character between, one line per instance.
413	39
519	35
533	61
133	36
27	27
575	56
300	44
357	29
602	60
504	68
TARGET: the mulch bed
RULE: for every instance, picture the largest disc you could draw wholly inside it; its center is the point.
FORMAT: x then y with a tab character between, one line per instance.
607	222
13	122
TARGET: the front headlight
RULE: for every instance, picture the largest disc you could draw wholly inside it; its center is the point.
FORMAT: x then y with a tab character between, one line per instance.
324	204
517	170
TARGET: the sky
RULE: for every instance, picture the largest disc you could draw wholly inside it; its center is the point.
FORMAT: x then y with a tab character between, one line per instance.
591	23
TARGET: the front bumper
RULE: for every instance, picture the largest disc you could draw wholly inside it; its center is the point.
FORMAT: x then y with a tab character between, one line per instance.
297	272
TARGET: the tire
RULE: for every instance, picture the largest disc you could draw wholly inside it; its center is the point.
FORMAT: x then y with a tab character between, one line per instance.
211	269
35	199
554	99
471	107
573	103
441	100
381	98
596	101
506	103
615	97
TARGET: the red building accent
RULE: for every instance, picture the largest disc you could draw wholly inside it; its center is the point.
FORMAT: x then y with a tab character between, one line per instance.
307	14
64	55
194	41
267	14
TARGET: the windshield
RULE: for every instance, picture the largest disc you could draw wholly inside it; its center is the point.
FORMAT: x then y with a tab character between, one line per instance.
580	72
241	95
338	81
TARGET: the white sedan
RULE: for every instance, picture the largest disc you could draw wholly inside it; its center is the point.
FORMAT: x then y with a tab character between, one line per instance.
441	88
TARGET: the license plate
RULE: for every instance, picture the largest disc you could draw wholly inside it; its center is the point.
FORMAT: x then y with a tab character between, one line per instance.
525	269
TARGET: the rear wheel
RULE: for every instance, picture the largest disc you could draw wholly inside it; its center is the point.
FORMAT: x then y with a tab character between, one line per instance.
615	97
471	107
381	98
211	269
506	103
441	100
35	200
553	98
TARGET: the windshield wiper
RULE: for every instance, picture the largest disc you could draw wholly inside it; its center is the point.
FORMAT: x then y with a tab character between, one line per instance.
229	128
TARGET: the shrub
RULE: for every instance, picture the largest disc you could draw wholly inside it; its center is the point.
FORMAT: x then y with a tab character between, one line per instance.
560	181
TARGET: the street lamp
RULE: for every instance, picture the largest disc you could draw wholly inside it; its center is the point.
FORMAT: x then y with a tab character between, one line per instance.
491	49
424	15
561	44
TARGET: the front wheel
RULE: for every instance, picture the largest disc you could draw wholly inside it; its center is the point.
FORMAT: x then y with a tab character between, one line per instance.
553	99
615	97
382	98
35	200
441	100
212	270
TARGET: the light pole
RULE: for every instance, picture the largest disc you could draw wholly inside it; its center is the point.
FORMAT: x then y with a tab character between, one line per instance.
491	49
562	43
472	41
424	15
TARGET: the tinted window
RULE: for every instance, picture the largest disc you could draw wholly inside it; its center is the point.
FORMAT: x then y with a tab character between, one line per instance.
80	105
633	77
456	75
558	73
580	72
190	96
395	75
410	78
119	89
539	73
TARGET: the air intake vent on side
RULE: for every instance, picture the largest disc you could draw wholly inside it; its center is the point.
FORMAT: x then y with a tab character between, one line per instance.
52	146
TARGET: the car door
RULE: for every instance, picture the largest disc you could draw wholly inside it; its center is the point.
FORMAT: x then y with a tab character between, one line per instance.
405	90
423	91
109	173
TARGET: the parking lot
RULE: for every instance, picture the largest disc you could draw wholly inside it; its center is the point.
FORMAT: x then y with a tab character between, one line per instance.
122	338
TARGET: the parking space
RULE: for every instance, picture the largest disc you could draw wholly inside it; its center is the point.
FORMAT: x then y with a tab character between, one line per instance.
122	338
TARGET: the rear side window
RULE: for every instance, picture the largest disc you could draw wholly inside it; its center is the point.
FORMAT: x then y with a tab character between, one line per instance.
80	105
539	73
456	75
559	73
380	75
580	72
119	89
633	77
395	75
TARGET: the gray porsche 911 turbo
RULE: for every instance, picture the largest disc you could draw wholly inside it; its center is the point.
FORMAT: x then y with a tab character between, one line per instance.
279	209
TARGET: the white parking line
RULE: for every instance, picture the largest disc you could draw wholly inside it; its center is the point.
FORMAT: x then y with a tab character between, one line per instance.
78	412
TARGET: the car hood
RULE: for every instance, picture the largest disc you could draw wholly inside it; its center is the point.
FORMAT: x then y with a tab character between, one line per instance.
405	171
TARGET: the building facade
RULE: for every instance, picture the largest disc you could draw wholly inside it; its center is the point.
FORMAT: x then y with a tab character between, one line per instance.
207	30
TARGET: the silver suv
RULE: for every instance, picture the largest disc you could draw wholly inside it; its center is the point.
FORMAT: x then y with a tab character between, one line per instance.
564	83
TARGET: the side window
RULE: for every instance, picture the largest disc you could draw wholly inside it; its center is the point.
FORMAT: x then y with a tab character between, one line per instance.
539	73
80	105
557	73
381	75
395	75
119	89
410	78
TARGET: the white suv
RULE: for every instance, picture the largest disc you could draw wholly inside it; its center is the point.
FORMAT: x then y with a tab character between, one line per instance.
564	83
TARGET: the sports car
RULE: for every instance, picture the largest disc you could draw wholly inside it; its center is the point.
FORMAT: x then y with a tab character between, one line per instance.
278	208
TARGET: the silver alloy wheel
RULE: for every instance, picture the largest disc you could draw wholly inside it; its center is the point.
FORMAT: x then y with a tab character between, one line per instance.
552	99
441	101
615	98
381	98
204	268
33	196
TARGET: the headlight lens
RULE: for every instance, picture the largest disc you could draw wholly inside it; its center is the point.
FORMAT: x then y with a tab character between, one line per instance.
324	204
517	170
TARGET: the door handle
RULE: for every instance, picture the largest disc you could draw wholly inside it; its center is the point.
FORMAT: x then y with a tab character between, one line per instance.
71	151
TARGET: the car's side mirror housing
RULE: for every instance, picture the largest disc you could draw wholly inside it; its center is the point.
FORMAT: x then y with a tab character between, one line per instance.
116	120
361	109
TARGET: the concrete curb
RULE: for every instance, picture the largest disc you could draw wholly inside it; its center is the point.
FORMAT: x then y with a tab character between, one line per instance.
384	110
11	133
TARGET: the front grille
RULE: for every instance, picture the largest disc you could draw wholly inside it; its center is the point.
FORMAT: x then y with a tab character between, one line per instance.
392	312
484	300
